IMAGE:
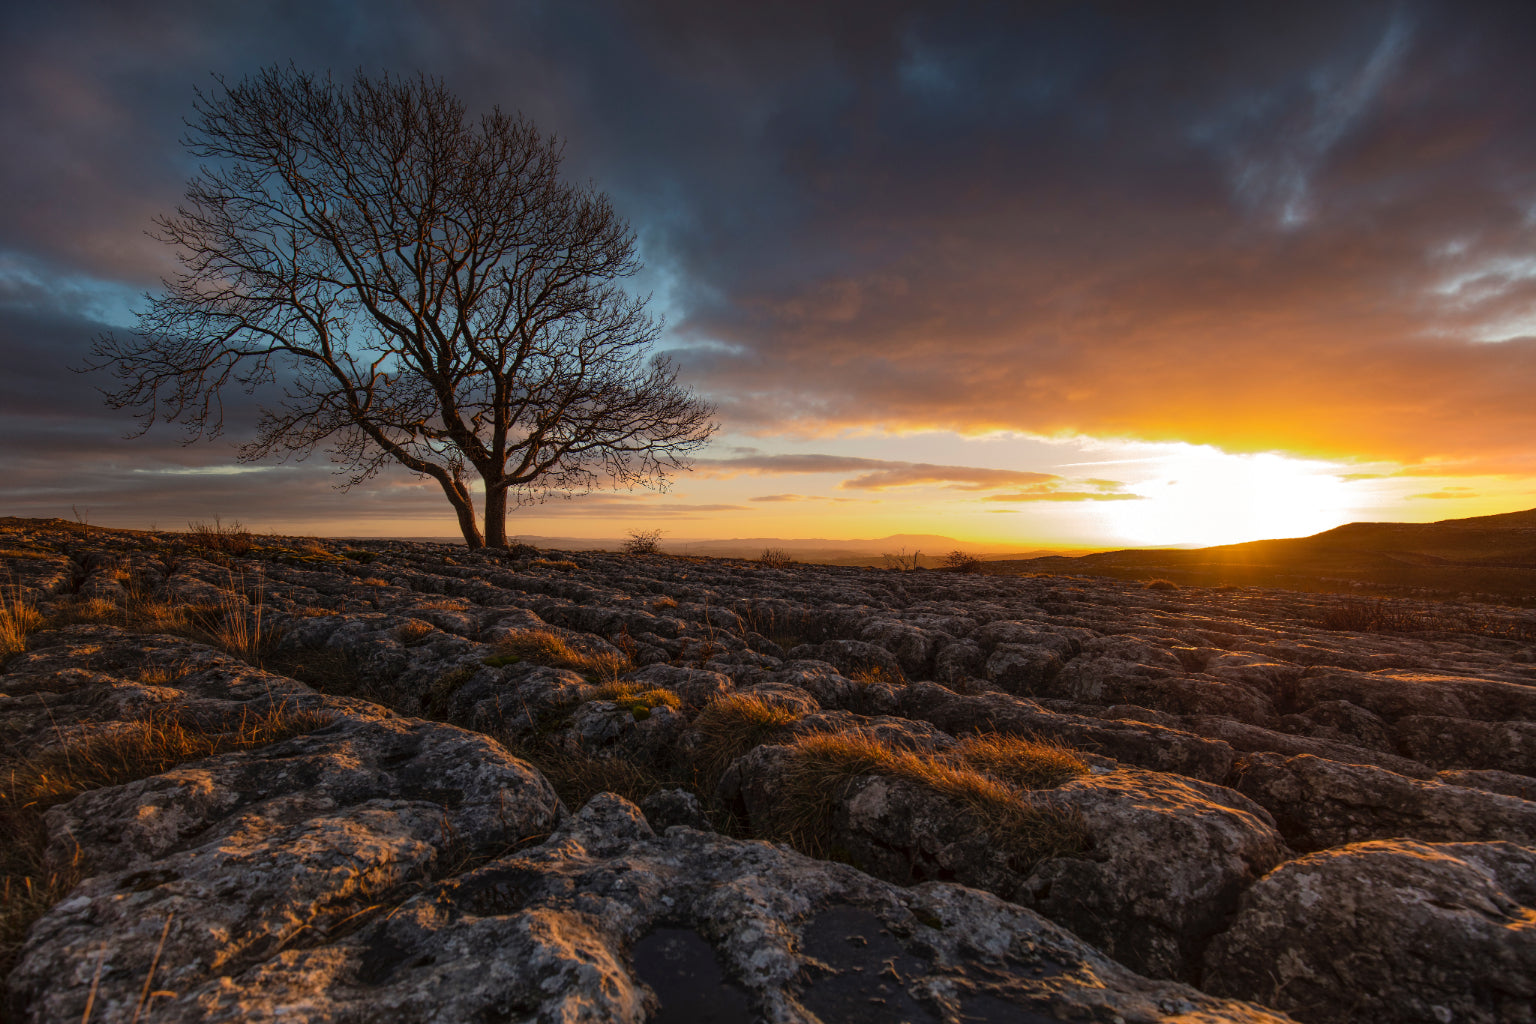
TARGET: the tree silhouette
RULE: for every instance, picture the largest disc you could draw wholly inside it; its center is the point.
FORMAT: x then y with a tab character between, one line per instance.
425	288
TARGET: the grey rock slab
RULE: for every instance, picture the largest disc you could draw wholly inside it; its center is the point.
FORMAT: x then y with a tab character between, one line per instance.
1320	803
1395	931
608	922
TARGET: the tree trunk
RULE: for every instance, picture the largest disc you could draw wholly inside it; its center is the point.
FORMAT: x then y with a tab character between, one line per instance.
464	505
495	517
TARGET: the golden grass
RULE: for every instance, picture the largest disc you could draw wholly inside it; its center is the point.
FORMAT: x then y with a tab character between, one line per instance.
823	766
414	631
545	648
637	699
554	563
875	674
19	619
100	757
234	623
27	552
1021	761
730	726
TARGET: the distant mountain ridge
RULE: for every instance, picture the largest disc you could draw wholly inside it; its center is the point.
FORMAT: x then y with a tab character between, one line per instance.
1483	556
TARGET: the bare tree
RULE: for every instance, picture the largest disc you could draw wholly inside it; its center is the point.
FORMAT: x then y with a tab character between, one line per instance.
424	286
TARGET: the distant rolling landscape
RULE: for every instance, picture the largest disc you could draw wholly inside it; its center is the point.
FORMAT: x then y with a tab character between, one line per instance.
1488	557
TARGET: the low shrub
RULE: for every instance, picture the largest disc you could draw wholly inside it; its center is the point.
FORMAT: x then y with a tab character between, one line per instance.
775	558
903	562
1379	616
234	539
959	561
1159	584
642	542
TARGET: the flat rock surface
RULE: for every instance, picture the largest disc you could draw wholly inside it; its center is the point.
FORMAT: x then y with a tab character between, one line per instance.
1230	742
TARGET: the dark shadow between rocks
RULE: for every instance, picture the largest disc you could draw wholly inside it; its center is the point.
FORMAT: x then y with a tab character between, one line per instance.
683	971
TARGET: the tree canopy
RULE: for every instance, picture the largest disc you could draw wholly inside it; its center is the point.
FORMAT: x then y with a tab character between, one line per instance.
424	287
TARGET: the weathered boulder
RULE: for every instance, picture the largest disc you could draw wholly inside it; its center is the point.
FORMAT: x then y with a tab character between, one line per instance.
1166	860
605	921
1319	803
1463	743
1397	931
1150	746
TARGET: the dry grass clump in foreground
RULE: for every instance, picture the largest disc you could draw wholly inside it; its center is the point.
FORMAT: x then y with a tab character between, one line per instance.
577	777
132	750
822	766
635	698
19	619
234	623
1021	761
546	648
732	725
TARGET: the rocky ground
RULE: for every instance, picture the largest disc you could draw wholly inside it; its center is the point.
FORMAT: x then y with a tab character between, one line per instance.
530	785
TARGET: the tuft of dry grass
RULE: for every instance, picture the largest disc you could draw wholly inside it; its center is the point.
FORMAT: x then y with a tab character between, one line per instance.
545	648
637	699
823	766
234	539
234	623
414	631
875	674
554	563
91	760
19	619
27	552
663	602
1021	761
730	726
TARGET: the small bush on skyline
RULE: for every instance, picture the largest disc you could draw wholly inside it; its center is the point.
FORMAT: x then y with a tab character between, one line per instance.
234	539
960	561
775	558
643	542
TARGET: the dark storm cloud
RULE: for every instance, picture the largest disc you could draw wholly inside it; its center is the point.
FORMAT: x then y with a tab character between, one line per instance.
1306	227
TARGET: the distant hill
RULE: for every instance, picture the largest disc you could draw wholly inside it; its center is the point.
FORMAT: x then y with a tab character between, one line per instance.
819	551
1488	557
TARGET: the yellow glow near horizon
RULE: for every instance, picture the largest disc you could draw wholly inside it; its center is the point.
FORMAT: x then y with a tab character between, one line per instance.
1208	497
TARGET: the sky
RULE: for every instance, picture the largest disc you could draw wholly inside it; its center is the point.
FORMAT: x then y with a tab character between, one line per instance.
1030	275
